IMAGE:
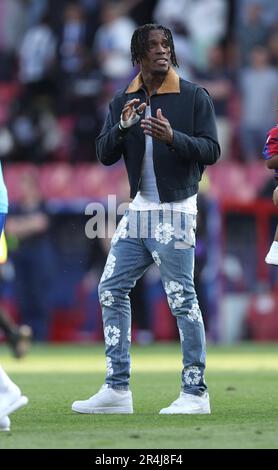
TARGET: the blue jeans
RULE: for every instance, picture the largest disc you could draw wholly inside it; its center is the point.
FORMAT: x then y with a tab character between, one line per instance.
168	239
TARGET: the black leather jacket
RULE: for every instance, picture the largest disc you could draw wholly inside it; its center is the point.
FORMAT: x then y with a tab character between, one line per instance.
178	167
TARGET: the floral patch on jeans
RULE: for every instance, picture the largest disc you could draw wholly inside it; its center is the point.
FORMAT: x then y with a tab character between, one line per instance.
109	367
111	335
195	314
164	233
192	375
106	298
156	258
174	290
109	267
181	335
121	231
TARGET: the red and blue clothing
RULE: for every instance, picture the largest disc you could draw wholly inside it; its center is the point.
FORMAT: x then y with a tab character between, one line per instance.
3	201
271	146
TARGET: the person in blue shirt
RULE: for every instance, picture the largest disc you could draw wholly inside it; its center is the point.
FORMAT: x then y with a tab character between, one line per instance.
11	398
3	200
18	337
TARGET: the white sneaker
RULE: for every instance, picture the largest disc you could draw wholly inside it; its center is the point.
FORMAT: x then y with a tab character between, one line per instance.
188	405
11	400
5	424
272	255
271	258
107	400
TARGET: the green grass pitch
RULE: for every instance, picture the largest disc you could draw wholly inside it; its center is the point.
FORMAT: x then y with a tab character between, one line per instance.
242	381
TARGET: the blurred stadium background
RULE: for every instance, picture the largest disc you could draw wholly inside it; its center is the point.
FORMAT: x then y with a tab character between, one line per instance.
60	63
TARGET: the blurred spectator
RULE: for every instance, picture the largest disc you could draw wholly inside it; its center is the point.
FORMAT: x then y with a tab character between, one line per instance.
87	124
79	79
12	24
75	39
28	226
207	24
86	94
112	43
252	30
183	49
220	84
34	132
32	122
269	9
272	45
259	91
25	133
18	337
35	10
37	55
141	11
173	16
12	28
205	20
167	13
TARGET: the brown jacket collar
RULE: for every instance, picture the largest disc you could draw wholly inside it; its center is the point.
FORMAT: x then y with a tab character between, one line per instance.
171	83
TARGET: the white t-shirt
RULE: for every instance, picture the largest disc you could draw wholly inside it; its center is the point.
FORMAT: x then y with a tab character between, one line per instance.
147	198
188	205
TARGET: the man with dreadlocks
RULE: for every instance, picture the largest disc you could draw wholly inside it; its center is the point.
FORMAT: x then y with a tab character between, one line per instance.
165	129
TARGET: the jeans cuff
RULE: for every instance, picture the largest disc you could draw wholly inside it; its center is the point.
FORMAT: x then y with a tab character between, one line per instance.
118	387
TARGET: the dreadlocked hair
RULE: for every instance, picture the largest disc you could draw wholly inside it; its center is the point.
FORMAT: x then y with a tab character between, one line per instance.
139	42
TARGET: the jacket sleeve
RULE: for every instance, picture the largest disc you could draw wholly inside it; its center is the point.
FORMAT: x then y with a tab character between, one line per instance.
109	143
203	147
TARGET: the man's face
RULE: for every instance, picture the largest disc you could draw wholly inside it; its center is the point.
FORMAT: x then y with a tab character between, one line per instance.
157	58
